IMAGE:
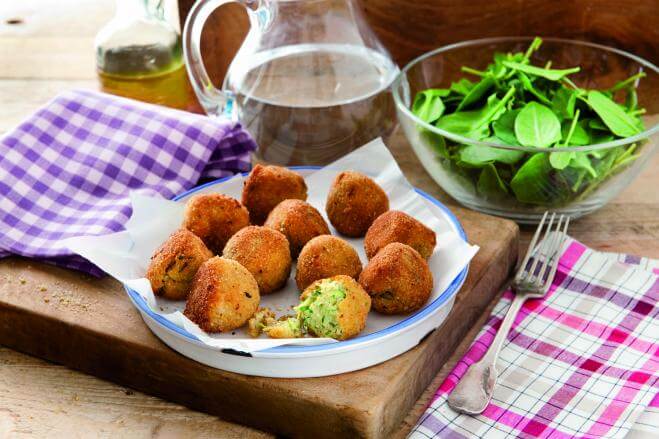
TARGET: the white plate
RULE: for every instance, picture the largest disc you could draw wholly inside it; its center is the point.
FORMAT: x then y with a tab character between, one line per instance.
317	360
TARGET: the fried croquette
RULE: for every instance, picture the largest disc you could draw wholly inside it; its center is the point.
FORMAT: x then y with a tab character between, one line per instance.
175	263
267	186
224	296
398	279
354	202
397	226
336	307
265	253
264	321
326	256
299	221
214	218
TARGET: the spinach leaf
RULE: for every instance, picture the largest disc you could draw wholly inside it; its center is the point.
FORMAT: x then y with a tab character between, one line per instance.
533	184
476	155
526	82
536	125
490	184
476	93
428	105
614	117
462	86
504	127
475	124
563	103
579	135
551	74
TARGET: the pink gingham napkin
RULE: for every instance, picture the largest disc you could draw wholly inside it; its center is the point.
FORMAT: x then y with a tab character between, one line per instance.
582	362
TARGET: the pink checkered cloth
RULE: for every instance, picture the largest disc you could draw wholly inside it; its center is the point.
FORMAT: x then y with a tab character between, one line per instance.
582	362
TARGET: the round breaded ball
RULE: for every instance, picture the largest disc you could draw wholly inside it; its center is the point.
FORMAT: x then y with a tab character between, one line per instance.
224	296
299	221
326	256
265	253
397	226
353	203
267	186
214	218
317	311
175	263
398	279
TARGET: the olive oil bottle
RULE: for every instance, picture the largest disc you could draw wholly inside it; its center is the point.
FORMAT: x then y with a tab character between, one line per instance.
139	56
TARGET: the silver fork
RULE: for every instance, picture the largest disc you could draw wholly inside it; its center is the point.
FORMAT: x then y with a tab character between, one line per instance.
474	391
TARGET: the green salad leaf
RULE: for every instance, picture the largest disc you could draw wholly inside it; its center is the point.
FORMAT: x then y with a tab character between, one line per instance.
536	125
516	101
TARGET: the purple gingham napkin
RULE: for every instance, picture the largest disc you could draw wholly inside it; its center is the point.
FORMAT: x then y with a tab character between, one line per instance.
68	169
582	362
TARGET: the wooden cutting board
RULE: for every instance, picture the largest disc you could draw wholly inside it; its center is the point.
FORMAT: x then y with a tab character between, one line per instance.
90	325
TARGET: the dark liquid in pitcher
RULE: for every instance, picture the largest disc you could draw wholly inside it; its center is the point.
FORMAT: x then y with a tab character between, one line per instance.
311	104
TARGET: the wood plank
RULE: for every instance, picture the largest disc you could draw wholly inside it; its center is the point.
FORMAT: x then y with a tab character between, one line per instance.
91	326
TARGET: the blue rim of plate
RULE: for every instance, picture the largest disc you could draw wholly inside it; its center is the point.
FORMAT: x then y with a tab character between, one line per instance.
431	307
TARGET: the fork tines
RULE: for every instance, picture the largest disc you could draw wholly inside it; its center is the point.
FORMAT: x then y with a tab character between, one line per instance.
555	234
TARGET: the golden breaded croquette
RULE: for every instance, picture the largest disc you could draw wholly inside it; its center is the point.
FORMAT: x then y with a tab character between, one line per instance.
336	307
299	221
224	296
267	186
265	253
397	226
353	203
214	218
175	263
326	256
398	279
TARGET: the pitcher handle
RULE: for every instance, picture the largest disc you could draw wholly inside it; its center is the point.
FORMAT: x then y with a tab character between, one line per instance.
213	100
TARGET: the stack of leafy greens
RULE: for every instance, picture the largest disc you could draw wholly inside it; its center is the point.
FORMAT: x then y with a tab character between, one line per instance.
519	104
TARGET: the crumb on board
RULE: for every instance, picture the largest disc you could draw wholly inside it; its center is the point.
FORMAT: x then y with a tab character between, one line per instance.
42	289
22	281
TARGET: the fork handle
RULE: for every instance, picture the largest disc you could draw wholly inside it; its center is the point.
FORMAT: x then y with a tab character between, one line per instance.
502	334
473	393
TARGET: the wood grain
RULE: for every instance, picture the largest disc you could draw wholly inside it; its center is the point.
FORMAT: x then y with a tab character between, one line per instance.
90	325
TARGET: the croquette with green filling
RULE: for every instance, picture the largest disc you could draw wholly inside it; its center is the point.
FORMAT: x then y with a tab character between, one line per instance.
326	256
175	263
397	226
266	186
353	202
299	221
214	218
398	279
336	307
265	253
224	296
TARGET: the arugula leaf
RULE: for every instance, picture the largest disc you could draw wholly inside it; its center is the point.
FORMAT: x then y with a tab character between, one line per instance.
536	125
428	105
551	74
614	117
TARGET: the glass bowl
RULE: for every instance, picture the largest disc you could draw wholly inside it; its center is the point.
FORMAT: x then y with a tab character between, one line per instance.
617	162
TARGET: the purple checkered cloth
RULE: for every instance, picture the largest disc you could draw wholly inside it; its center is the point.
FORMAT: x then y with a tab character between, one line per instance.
581	362
69	168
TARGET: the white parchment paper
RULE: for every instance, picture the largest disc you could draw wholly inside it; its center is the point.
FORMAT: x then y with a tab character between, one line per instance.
125	255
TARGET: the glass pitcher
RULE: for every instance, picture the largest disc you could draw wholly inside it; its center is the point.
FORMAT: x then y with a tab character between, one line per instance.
310	81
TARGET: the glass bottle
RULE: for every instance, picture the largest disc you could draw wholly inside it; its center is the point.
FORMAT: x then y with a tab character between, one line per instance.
139	56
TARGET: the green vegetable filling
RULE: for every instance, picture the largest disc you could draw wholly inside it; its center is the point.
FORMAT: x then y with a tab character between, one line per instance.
516	103
318	312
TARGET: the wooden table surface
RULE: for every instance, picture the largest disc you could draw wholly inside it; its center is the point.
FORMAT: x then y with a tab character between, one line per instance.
45	48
